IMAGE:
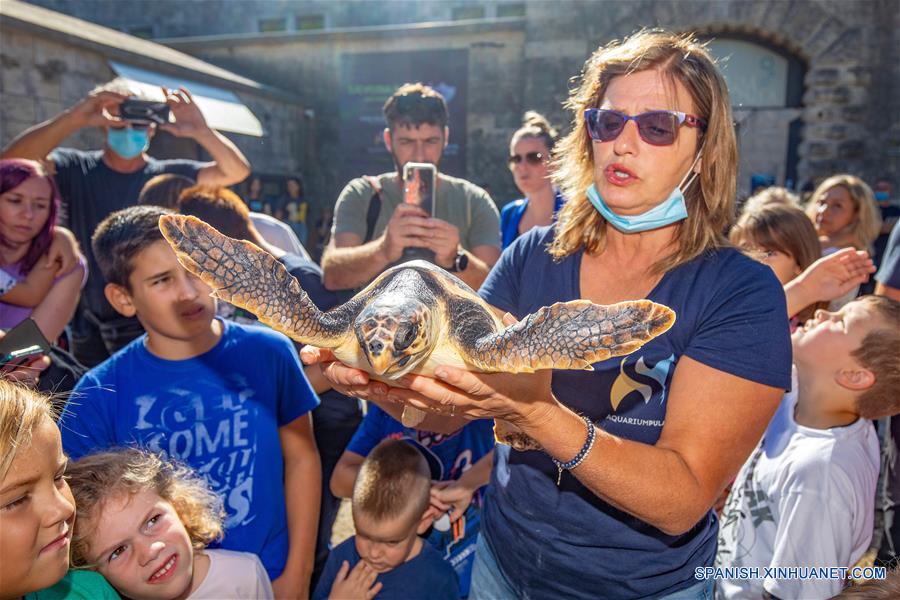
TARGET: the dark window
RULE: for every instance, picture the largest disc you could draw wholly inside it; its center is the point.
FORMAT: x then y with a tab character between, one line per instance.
306	22
512	9
461	13
268	25
145	32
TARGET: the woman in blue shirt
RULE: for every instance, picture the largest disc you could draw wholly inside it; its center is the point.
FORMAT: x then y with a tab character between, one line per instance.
644	443
529	159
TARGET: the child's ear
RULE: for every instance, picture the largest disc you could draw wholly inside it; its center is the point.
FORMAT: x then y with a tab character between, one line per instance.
857	379
425	522
120	299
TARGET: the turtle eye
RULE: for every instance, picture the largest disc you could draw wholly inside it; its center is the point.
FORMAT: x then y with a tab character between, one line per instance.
405	336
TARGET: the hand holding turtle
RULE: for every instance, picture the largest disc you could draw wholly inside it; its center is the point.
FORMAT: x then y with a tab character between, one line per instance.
344	379
408	228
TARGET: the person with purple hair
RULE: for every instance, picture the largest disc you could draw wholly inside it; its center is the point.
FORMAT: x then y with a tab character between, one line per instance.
34	252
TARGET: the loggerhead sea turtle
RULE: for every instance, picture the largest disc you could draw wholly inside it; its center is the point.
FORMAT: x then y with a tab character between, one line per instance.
414	317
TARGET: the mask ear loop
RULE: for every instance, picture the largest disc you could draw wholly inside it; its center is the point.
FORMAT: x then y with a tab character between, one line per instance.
692	174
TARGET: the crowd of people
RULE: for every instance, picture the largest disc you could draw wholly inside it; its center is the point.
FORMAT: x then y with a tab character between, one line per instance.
166	445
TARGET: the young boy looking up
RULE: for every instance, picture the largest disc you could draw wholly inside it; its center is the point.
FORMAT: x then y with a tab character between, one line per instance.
229	400
805	498
387	558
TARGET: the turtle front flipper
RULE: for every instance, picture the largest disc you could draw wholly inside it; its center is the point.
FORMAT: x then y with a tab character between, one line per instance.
568	335
243	274
572	335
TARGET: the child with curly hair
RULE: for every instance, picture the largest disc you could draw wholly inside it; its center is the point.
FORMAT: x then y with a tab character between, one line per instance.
145	524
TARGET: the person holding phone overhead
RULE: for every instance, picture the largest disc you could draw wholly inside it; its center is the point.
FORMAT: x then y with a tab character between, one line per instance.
93	184
373	225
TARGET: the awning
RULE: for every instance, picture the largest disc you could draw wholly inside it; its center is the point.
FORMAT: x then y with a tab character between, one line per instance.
222	109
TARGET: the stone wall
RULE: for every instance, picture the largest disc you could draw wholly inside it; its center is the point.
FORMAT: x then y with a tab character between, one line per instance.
40	77
310	66
850	109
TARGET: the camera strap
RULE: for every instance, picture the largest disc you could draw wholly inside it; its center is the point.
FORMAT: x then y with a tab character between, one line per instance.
374	207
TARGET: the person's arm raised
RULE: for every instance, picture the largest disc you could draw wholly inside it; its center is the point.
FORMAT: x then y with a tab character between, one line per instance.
37	142
229	165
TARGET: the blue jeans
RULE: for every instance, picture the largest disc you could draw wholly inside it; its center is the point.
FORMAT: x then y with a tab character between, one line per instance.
489	583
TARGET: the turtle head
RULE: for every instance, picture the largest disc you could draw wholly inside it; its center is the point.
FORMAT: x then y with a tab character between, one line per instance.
395	335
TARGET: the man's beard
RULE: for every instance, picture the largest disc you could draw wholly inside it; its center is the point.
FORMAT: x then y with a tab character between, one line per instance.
399	168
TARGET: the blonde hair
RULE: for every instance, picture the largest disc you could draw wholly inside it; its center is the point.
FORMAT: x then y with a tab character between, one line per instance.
535	125
878	353
393	481
865	228
97	478
21	411
771	195
710	201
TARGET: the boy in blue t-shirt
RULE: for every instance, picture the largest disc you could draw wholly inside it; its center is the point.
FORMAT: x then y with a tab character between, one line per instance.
229	400
387	558
460	464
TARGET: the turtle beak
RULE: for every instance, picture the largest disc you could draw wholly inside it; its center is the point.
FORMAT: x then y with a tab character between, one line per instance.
380	363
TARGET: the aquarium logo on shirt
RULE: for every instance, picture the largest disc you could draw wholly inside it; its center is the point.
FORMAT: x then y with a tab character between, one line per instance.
640	382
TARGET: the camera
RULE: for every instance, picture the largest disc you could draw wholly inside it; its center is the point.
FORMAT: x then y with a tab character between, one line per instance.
144	111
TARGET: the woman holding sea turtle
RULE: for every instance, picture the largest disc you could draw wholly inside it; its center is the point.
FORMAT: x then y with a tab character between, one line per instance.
644	444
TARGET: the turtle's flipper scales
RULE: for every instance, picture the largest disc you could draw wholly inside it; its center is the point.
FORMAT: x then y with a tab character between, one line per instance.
572	335
245	275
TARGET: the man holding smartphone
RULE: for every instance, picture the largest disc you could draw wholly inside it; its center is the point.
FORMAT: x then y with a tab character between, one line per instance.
463	233
94	184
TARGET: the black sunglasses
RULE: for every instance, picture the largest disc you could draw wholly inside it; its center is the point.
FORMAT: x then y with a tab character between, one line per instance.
657	127
532	158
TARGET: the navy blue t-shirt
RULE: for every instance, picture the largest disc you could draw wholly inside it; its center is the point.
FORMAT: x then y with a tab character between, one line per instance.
449	456
425	576
90	192
218	412
730	315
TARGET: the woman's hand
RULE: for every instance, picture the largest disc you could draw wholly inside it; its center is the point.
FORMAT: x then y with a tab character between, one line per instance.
25	373
344	379
523	399
452	497
64	252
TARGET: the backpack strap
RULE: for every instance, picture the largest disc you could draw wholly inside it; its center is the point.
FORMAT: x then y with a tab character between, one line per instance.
374	207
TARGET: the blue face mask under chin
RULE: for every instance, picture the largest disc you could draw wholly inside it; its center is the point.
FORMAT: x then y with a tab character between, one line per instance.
128	142
671	210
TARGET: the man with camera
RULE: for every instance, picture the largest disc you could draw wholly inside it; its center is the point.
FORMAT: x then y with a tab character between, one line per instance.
94	184
374	228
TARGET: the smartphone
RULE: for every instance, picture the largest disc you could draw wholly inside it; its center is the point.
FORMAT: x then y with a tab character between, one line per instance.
418	185
22	342
144	111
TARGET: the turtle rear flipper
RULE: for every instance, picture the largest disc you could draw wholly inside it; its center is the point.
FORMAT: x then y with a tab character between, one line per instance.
572	335
243	274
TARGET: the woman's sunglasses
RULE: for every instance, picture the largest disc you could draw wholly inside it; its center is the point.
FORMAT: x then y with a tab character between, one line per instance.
532	158
657	127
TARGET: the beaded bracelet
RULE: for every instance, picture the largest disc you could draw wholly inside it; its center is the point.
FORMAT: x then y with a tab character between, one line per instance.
582	454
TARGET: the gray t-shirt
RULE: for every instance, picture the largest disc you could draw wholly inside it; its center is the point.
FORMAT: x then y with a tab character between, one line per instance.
457	201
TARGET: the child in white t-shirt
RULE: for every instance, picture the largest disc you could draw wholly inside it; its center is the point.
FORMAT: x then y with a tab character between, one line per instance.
144	524
805	498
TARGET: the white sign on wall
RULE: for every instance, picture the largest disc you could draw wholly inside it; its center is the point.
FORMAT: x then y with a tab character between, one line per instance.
756	76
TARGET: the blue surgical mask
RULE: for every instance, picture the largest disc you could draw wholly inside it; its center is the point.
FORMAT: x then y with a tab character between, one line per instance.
882	197
128	142
671	210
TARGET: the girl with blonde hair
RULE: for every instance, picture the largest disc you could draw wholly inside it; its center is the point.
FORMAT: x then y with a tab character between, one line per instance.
145	525
617	503
844	212
37	512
